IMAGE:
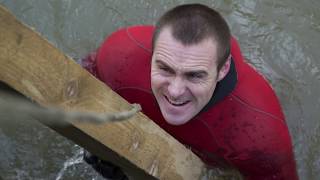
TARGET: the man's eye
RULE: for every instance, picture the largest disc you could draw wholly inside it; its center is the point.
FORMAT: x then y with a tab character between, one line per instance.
165	69
195	76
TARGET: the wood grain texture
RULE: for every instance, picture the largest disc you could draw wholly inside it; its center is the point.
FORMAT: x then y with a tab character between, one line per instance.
38	70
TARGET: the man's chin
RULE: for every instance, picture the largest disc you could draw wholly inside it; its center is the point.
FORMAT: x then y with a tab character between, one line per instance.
175	121
175	115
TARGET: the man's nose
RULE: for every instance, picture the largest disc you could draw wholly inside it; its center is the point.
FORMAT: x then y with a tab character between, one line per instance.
176	87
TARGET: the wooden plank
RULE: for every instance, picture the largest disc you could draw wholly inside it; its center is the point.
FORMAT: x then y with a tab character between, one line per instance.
38	70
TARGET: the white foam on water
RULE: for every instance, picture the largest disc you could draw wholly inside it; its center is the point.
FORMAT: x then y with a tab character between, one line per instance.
77	158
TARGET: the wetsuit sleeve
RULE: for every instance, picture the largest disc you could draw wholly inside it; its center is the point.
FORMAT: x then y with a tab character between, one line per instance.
255	132
256	143
271	161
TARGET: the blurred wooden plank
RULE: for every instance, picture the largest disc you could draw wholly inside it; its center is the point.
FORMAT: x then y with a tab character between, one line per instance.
38	70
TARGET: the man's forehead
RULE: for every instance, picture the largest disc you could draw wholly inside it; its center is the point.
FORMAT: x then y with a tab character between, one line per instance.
193	57
167	45
166	38
166	33
184	69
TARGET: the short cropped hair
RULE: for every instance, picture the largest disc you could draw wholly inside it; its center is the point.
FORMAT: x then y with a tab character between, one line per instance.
192	23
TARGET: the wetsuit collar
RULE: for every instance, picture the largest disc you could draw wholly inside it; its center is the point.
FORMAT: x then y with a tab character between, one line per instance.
224	87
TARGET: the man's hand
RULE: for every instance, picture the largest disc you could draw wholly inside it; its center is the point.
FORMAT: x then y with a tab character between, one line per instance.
104	168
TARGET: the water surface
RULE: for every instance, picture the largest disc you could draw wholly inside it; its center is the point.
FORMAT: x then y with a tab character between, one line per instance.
279	38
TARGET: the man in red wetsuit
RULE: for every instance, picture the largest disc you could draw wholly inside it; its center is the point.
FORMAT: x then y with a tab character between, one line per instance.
188	74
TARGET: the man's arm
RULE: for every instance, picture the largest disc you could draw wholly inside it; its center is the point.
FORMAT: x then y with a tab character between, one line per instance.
262	166
104	168
264	152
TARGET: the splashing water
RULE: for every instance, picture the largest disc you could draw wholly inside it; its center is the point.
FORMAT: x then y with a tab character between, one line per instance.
278	37
77	158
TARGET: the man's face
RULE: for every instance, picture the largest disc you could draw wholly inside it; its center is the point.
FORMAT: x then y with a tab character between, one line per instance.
183	78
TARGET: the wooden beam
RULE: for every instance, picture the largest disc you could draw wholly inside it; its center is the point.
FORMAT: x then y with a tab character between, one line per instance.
39	71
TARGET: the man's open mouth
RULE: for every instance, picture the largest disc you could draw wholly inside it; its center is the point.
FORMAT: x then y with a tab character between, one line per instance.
176	103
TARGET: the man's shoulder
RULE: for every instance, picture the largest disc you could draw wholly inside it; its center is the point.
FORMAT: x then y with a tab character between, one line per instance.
255	92
124	57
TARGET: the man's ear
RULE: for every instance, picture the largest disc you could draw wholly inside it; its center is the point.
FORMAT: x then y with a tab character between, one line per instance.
224	69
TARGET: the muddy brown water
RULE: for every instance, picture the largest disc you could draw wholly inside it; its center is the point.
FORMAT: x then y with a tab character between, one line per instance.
279	38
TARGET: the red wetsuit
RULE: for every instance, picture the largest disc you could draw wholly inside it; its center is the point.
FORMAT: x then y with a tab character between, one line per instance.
245	129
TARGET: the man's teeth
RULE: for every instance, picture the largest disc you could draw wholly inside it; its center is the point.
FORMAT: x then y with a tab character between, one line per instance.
177	103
